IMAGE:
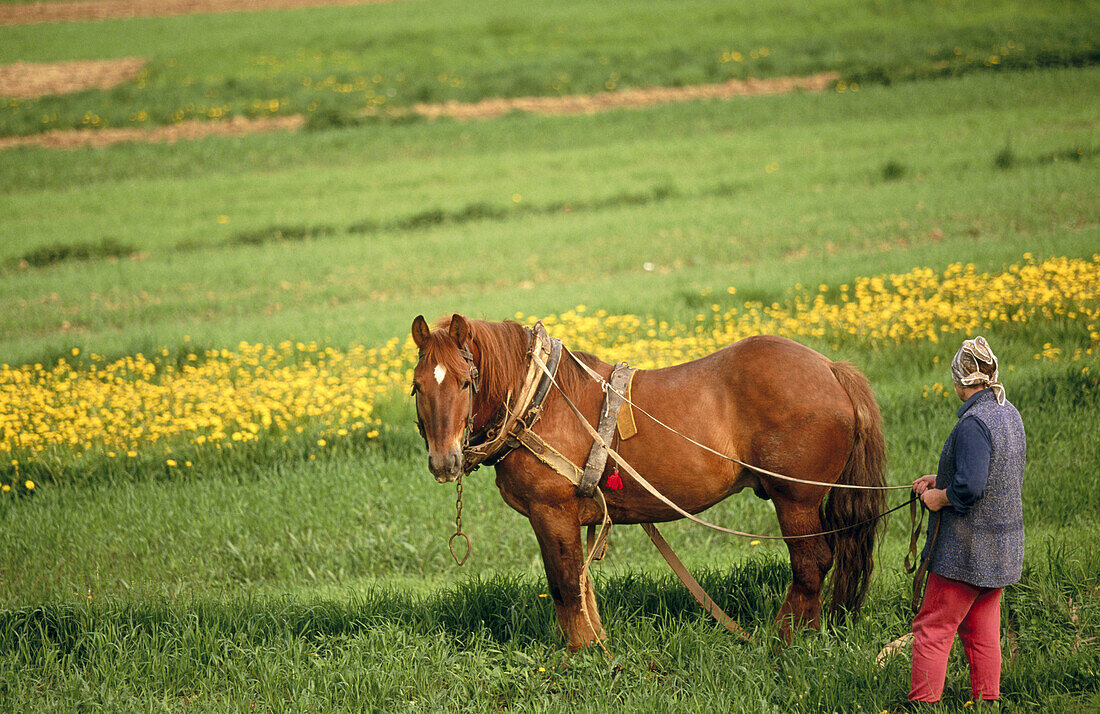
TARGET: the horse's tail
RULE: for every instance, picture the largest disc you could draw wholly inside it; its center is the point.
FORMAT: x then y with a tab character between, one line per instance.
853	547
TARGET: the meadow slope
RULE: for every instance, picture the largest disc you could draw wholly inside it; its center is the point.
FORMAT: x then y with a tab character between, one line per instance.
257	292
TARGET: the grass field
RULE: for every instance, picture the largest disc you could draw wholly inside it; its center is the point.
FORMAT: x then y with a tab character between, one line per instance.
300	563
330	63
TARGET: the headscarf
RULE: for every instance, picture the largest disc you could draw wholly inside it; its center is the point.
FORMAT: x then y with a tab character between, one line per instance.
966	362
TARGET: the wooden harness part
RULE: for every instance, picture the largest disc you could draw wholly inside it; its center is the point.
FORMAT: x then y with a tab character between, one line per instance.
609	418
587	481
498	440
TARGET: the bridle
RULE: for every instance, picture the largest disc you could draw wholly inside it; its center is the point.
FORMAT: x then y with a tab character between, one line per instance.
472	384
498	437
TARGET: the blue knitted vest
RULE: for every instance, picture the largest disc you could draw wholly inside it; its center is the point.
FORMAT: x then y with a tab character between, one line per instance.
986	546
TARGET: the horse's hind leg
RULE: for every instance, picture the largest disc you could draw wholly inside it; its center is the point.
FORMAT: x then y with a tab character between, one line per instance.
559	536
810	561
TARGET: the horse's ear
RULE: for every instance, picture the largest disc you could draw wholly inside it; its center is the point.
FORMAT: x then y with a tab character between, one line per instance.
420	331
460	329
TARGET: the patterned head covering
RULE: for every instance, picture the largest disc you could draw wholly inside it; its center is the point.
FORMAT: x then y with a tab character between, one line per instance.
966	362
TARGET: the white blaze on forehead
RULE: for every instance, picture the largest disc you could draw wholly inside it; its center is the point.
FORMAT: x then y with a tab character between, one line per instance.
440	373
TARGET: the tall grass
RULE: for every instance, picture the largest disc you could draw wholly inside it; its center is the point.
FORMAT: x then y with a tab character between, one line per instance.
713	216
295	576
334	61
483	646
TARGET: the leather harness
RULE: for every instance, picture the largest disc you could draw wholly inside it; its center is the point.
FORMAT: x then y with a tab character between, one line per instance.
514	429
609	418
502	436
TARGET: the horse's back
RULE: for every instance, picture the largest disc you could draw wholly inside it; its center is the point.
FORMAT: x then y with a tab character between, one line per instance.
767	400
763	370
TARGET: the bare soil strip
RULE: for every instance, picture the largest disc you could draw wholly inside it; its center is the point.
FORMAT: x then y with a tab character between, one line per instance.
625	99
484	109
78	138
27	80
85	10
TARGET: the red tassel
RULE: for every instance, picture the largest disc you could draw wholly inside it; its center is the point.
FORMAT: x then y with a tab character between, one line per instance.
614	481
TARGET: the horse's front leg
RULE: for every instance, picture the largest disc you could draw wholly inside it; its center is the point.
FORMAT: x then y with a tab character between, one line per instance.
558	531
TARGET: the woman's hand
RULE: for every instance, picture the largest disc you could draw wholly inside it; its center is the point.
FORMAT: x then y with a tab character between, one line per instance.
923	484
935	499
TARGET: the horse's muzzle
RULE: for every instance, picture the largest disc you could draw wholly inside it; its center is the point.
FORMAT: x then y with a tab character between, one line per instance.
445	467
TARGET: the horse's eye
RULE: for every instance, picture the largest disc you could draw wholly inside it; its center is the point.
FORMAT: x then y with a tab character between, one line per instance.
415	389
466	384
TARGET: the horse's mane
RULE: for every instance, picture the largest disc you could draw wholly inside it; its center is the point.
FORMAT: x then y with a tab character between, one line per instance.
502	351
502	364
571	377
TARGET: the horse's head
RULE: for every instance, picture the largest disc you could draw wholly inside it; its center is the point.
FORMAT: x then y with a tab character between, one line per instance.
445	381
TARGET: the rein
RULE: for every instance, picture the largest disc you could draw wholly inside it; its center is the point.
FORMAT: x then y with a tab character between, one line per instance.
668	502
516	429
606	386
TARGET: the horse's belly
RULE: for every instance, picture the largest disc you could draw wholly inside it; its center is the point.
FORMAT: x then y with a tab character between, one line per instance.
692	489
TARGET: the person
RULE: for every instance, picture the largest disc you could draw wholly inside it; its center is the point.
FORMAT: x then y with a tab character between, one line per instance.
975	542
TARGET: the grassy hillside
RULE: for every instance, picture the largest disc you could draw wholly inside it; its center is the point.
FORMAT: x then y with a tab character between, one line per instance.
401	220
257	292
331	62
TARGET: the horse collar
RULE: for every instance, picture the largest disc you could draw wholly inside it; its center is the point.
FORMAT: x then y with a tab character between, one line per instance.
498	438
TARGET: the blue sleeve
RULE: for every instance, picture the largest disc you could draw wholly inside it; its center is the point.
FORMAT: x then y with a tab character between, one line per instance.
973	448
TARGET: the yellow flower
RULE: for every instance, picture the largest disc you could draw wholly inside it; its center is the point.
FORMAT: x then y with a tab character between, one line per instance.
754	542
29	484
171	462
224	398
6	488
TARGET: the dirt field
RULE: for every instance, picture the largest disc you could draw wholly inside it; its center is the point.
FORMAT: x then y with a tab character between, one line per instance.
83	10
36	79
78	138
485	109
625	99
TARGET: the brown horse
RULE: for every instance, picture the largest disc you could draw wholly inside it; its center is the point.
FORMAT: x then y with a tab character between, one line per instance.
767	400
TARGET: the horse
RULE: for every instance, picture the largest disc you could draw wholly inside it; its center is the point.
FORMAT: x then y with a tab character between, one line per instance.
772	402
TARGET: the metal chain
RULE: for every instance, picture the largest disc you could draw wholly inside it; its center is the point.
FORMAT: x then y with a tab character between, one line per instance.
458	527
458	506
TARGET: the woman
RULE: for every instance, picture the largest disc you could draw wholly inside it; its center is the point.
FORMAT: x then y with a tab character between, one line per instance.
975	542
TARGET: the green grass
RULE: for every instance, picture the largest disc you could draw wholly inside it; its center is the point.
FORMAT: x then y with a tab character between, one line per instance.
334	61
482	646
313	579
292	577
691	194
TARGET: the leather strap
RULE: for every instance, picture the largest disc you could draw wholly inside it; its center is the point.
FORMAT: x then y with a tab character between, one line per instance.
691	583
534	410
916	519
545	354
549	455
609	417
920	580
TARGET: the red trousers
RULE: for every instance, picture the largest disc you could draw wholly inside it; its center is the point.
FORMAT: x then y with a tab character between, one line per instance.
952	606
